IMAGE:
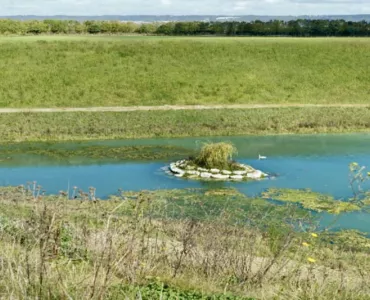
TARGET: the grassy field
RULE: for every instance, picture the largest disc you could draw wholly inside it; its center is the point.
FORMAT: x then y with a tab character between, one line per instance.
145	124
156	245
125	71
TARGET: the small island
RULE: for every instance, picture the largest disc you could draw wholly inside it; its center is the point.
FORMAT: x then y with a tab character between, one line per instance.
215	162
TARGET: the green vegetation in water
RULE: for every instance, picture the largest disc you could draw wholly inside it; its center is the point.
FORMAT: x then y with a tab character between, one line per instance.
9	152
203	204
311	200
159	71
152	124
349	240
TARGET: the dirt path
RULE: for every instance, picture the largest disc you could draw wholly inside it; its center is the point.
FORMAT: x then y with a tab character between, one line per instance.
171	107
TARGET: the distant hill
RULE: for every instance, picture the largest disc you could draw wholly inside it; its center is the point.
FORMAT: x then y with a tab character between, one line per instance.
167	18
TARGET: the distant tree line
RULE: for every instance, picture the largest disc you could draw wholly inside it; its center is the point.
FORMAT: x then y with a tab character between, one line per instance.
297	28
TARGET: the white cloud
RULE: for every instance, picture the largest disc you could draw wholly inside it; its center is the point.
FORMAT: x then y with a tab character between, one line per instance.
181	7
166	2
240	5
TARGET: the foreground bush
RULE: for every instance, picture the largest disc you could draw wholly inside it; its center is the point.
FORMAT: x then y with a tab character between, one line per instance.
191	244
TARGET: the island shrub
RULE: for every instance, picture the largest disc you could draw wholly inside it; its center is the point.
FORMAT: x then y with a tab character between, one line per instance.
216	155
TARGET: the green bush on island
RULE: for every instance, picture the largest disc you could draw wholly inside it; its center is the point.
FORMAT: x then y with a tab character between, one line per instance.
215	161
216	155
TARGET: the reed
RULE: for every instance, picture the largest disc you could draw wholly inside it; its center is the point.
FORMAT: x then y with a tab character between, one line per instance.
154	124
216	155
189	244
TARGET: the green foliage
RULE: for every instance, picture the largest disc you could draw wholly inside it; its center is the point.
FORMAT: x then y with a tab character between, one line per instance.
162	291
93	27
36	27
58	26
302	27
129	71
311	200
216	155
358	177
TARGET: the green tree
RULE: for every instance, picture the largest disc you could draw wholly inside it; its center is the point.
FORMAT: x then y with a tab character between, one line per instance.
57	26
166	29
36	27
93	27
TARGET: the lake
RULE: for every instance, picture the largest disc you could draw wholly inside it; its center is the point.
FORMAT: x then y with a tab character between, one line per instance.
318	162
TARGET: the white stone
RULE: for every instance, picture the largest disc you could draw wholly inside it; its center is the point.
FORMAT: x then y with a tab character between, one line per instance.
262	174
205	175
240	172
255	175
220	176
181	168
176	170
190	172
237	177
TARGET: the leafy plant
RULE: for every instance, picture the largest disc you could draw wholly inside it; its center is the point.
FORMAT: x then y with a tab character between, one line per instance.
162	291
216	155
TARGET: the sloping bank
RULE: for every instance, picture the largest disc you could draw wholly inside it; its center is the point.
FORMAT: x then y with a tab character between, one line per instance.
148	124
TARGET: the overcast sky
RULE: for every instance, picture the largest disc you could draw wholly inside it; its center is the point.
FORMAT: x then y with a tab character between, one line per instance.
184	7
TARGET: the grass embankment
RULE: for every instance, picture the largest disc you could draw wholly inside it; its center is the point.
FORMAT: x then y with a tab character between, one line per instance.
157	245
146	124
126	71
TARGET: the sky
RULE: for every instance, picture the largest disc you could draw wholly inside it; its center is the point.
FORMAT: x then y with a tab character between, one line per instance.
183	7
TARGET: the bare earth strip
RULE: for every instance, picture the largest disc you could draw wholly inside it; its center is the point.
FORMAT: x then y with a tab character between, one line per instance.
172	107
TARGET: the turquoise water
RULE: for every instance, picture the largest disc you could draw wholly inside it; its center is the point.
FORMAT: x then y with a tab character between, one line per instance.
318	162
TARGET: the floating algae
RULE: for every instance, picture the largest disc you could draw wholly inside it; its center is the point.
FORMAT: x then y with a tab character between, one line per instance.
311	200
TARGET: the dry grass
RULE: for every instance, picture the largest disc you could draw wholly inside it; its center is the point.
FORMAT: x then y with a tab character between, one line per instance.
148	124
52	248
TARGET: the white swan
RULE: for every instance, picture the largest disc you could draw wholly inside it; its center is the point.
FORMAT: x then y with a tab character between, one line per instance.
261	157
